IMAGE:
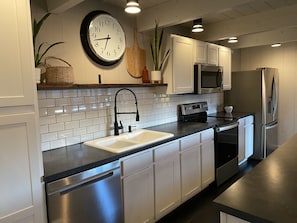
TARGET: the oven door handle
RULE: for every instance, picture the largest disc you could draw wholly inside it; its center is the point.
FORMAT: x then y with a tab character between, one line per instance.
227	127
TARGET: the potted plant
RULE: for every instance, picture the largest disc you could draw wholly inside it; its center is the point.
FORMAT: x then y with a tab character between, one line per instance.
39	52
159	59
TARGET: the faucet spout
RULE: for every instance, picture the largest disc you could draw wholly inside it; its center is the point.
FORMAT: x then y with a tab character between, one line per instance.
116	124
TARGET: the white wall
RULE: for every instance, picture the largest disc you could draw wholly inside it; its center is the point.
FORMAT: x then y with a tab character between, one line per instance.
285	59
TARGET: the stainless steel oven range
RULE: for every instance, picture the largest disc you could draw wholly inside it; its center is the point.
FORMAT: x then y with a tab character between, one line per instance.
225	140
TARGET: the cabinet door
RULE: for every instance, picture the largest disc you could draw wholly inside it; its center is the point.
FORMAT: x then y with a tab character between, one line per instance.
21	189
190	172
17	60
138	196
249	137
212	54
182	65
225	62
241	140
207	163
167	178
200	52
207	158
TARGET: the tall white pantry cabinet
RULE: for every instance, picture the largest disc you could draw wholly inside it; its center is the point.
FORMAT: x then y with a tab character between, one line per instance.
21	187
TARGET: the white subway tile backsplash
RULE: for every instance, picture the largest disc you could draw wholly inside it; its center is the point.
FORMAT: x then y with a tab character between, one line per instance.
54	94
72	116
57	127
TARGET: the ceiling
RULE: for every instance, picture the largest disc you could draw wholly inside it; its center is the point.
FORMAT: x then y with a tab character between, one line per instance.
223	18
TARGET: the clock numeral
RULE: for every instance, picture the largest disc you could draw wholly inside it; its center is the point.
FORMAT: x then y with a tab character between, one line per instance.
97	29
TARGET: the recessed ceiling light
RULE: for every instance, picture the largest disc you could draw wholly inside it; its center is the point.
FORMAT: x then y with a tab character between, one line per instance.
276	45
233	40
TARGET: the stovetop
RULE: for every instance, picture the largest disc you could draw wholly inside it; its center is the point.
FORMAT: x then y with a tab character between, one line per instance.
197	112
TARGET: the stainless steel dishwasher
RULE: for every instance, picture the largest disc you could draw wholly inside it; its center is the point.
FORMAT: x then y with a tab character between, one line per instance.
91	196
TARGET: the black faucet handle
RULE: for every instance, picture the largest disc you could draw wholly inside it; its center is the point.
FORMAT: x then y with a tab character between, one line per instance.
121	125
130	127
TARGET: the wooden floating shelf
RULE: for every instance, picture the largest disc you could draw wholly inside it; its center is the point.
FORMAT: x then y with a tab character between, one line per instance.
90	86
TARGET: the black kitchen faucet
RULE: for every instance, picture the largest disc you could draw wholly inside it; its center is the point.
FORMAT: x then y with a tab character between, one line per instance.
116	124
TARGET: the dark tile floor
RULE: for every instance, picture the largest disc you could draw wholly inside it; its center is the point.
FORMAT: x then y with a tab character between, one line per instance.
200	209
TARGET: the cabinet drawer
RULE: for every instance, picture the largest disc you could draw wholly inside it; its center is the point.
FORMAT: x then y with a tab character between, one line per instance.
207	135
190	141
166	151
249	120
136	162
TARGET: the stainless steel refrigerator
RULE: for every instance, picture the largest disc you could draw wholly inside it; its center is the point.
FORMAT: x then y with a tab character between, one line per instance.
257	91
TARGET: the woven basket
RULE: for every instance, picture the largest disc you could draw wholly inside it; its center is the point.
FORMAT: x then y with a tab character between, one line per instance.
58	74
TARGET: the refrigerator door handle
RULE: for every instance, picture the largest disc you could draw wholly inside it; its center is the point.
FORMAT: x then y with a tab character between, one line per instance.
271	126
274	99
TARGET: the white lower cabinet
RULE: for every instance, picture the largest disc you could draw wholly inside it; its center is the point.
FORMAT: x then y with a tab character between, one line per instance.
227	218
167	178
157	180
138	187
207	158
190	159
245	138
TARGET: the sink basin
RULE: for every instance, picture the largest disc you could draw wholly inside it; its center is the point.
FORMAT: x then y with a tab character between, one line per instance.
129	141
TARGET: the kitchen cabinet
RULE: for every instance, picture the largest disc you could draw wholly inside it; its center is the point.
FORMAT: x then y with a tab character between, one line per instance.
227	218
178	73
212	54
245	138
207	158
138	187
225	62
167	178
197	162
200	54
190	160
206	53
22	192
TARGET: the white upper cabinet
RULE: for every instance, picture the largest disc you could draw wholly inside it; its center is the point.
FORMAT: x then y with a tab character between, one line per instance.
225	62
206	53
212	54
200	54
17	62
178	73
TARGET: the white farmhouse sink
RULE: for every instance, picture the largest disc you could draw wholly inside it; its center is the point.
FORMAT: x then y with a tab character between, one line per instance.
129	141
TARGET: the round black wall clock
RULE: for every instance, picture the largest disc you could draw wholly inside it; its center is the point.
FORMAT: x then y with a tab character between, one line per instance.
102	38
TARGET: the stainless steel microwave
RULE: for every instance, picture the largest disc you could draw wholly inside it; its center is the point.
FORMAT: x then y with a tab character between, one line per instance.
208	79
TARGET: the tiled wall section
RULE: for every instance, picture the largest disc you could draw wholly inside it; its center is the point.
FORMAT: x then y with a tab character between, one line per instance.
69	117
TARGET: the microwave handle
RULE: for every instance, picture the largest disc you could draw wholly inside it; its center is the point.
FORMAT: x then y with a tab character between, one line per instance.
219	78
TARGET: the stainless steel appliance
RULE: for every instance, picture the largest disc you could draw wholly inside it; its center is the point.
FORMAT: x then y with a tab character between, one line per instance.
91	196
257	91
208	79
225	140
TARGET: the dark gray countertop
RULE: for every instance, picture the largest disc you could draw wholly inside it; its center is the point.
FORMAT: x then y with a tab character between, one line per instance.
68	160
269	192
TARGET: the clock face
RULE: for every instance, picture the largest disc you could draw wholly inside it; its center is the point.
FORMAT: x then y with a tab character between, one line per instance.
103	38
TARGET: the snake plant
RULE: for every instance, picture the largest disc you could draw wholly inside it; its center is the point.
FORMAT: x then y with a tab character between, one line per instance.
156	46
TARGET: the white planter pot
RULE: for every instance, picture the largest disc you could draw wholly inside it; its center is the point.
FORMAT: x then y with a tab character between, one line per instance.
37	74
156	77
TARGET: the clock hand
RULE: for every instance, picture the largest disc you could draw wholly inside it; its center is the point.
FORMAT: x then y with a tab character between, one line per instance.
108	38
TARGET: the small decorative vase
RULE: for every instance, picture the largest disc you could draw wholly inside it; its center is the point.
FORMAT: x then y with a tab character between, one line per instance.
156	77
37	74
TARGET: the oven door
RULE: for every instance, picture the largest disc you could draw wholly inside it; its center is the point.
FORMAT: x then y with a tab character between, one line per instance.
226	151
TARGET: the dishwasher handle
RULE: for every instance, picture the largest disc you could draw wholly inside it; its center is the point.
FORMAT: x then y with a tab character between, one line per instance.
227	127
83	183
